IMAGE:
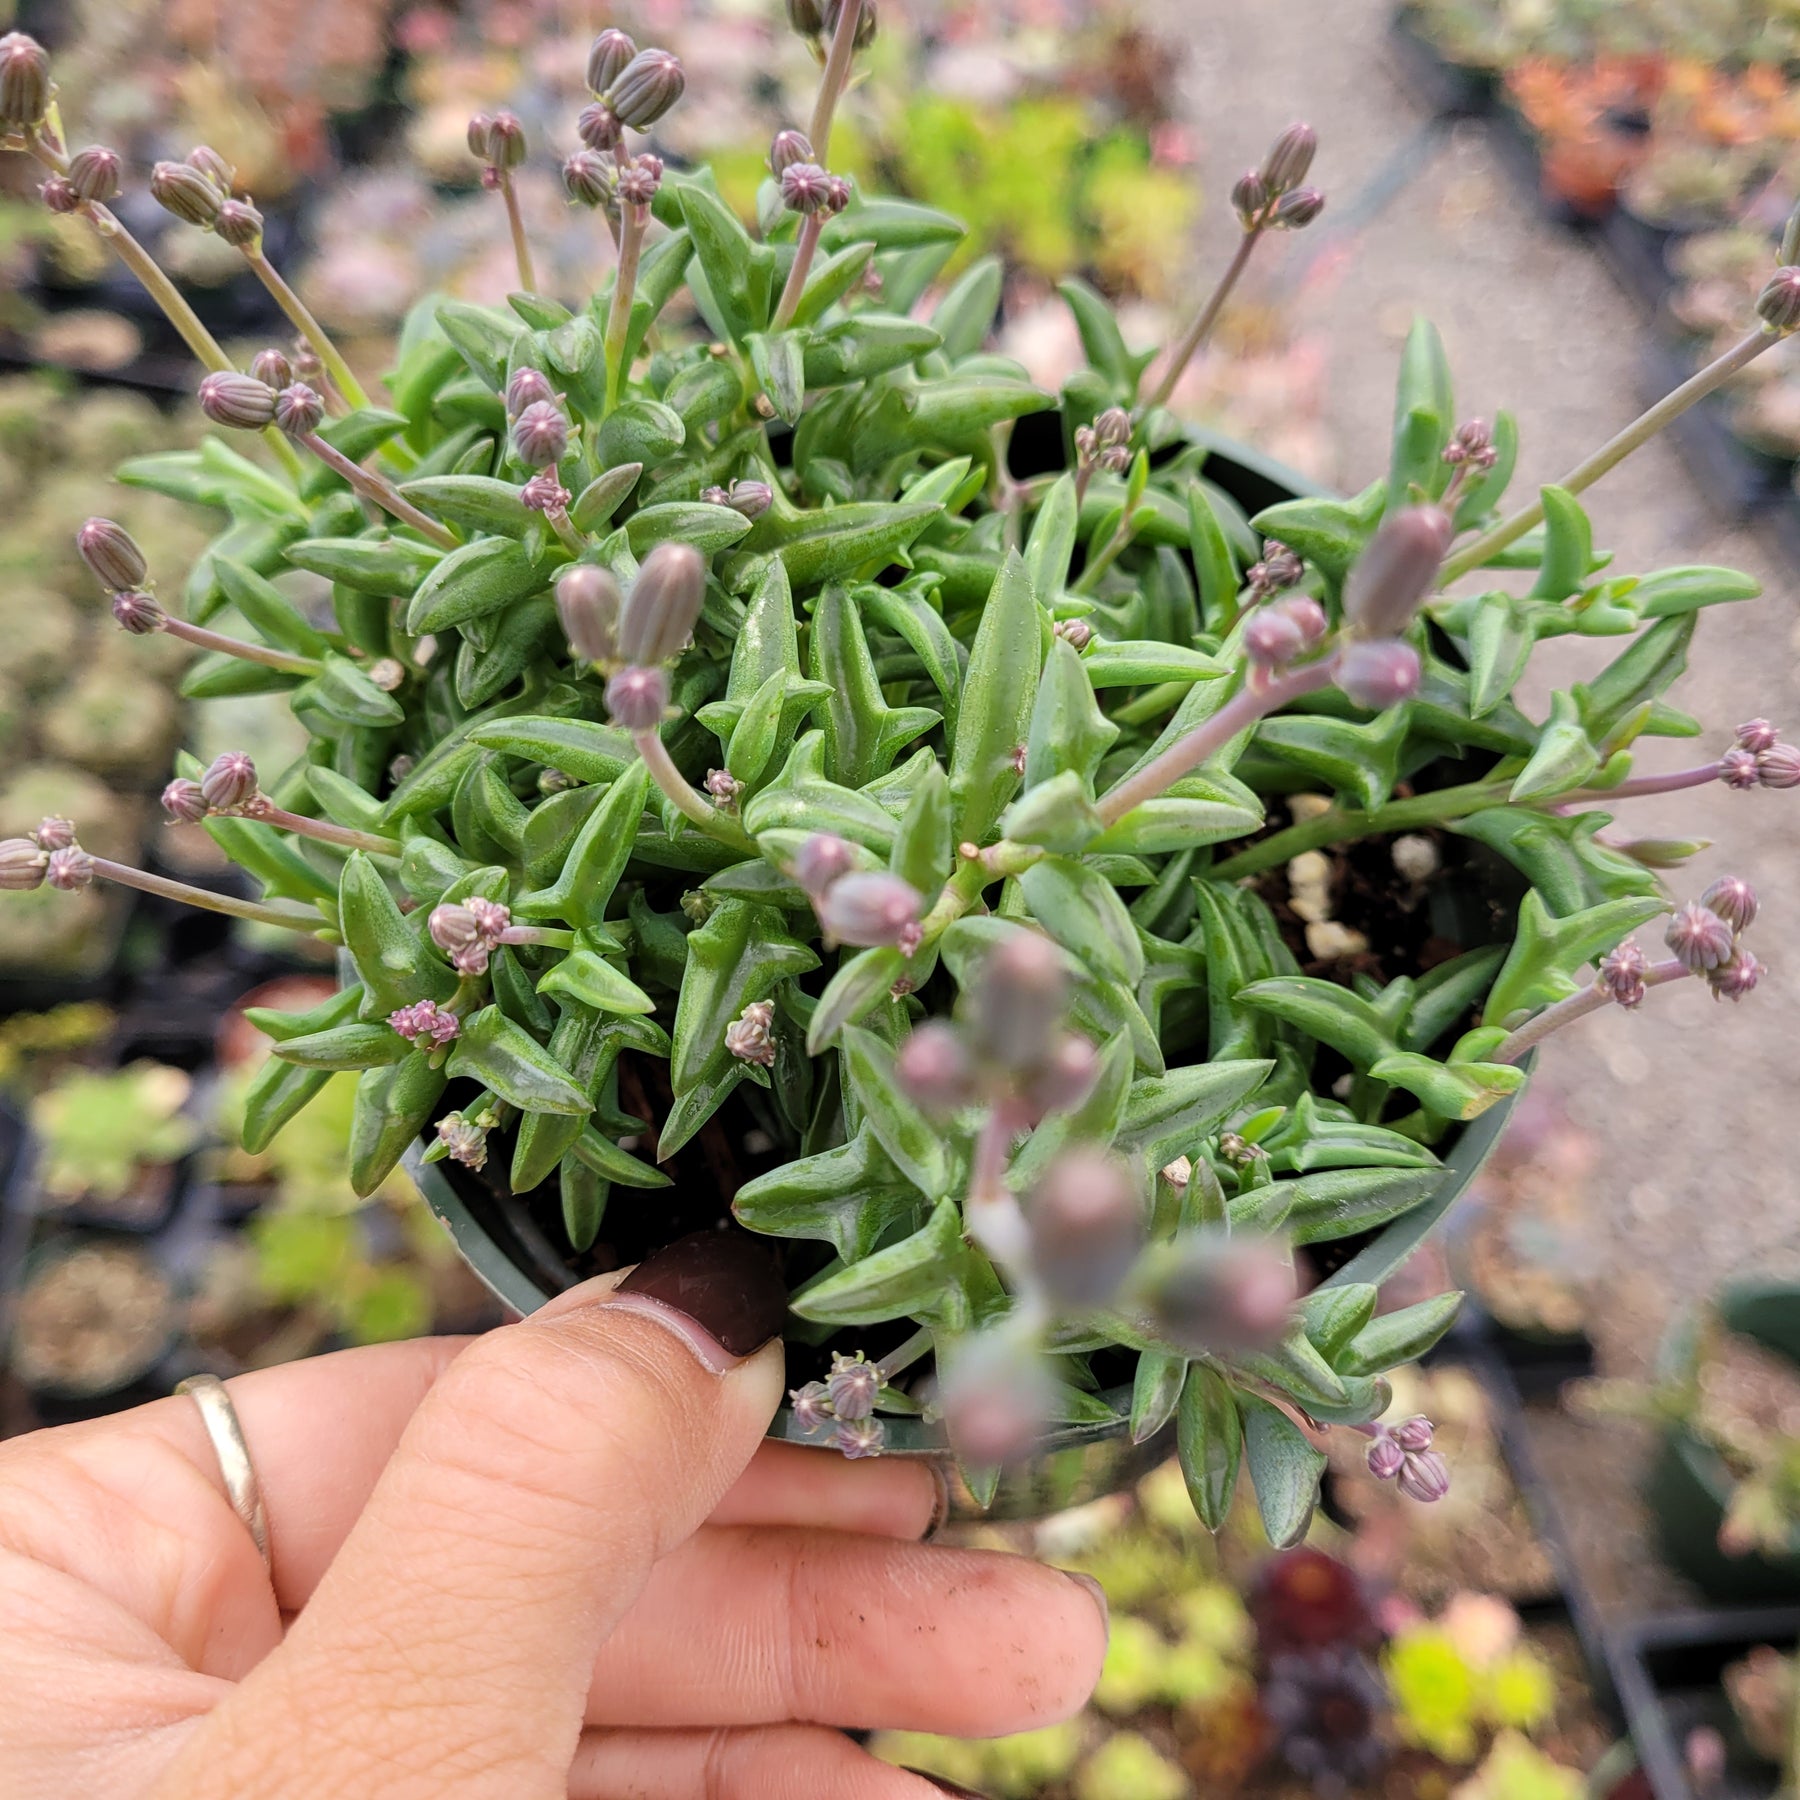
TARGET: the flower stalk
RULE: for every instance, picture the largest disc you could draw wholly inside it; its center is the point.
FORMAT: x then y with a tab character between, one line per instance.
300	316
379	491
634	223
838	61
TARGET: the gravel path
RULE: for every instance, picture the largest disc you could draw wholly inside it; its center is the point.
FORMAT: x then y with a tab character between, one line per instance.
1695	1181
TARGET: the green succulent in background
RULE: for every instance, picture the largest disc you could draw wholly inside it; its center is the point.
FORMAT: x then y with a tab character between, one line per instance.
98	1133
766	751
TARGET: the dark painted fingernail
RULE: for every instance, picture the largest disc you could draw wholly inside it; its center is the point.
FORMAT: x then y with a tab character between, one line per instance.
720	1291
1096	1593
947	1787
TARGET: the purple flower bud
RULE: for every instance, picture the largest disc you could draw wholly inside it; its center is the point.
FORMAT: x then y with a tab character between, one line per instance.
820	861
1424	1476
660	612
587	602
1378	673
933	1070
1284	168
589	179
723	786
996	1397
184	802
111	552
1700	939
1076	633
1279	568
1622	974
837	193
239	401
544	493
272	368
1223	1295
852	1385
24	82
811	1411
859	1438
492	919
1295	211
229	781
541	435
751	498
608	59
1112	428
239	224
637	698
1018	1001
22	863
138	613
181	189
806	17
453	926
1271	639
70	869
1249	195
427	1023
598	127
1087	1227
94	173
1778	305
748	1036
865	23
54	833
1065	1078
788	148
1414	1434
1308	615
506	141
1779	766
1757	735
1738	770
871	909
1736	978
1734	900
58	193
1389	581
1472	444
299	409
805	187
646	88
214	167
526	388
464	1140
1385	1457
641	182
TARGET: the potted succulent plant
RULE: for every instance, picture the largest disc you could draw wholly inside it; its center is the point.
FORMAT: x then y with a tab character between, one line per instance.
1050	920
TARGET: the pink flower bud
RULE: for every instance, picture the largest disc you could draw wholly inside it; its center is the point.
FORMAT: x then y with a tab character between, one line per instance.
646	88
590	179
1076	633
229	781
751	498
1700	939
464	1140
272	367
1284	168
1734	900
1249	195
641	181
1388	583
1757	735
933	1070
24	82
181	189
599	127
1087	1227
425	1022
789	148
820	860
1414	1434
541	435
723	786
22	863
811	1410
1295	211
506	141
1779	766
70	869
55	833
1018	1002
214	167
1424	1476
453	926
137	613
59	195
1279	568
544	493
857	1438
1738	770
1473	444
111	552
608	59
239	224
852	1386
1112	428
1734	979
1378	673
1385	1457
748	1036
664	604
871	909
299	409
239	401
1622	974
1065	1078
183	801
1778	305
637	698
94	173
805	187
526	388
1271	639
1307	615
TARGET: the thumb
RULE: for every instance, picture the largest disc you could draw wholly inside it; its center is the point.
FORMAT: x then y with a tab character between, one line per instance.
551	1465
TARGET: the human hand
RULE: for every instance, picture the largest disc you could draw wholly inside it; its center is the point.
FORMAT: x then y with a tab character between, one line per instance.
552	1563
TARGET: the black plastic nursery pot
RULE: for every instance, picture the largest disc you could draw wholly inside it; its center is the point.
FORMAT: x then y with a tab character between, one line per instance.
514	1254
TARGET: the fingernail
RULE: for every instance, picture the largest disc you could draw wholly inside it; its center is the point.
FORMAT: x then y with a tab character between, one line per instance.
718	1291
1097	1592
940	1506
947	1787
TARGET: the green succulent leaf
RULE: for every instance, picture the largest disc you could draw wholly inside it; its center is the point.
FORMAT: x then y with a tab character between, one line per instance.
393	1105
1284	1470
1540	968
913	1145
1210	1442
1399	1337
907	1279
999	691
1082	910
851	1198
491	1049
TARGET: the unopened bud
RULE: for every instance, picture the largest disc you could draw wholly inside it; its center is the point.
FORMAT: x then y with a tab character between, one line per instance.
55	833
1379	673
852	1386
208	162
464	1140
1112	428
1018	1000
1734	900
820	861
184	802
811	1411
181	189
723	786
872	909
1087	1227
273	368
1307	616
589	178
660	612
1295	211
24	81
806	17
1621	974
598	127
544	493
637	698
751	498
1415	1434
805	187
856	1438
1385	1458
1738	770
1473	444
541	435
388	673
1249	196
788	148
70	869
996	1397
1278	568
239	224
837	193
506	141
641	181
865	24
137	612
528	387
1757	735
239	401
94	173
1660	853
58	193
1284	168
646	88
1076	633
587	602
748	1036
299	409
229	781
1389	581
1779	766
1065	1078
111	552
1271	639
1778	305
1699	938
1734	979
1222	1295
1424	1476
608	59
22	863
933	1071
425	1022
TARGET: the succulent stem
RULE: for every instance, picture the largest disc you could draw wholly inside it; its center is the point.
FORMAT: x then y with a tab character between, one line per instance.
686	801
804	247
1614	451
1576	1006
238	647
903	1356
291	918
832	83
1208	316
521	243
299	315
1643	784
633	223
379	490
1186	754
266	812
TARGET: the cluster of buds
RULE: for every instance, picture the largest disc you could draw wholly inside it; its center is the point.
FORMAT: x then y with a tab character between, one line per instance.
197	191
1705	937
1761	757
813	20
1278	569
1279	634
464	1139
1386	586
1403	1455
844	1404
631	89
1271	198
750	1036
724	789
469	932
92	178
497	142
806	188
425	1023
869	909
1472	447
1105	444
1212	1294
228	788
50	855
751	498
632	635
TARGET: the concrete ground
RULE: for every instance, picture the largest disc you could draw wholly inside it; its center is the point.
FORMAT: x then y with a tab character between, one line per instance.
1696	1179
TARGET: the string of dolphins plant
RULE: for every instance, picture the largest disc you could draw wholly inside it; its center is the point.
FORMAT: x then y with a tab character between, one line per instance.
721	758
